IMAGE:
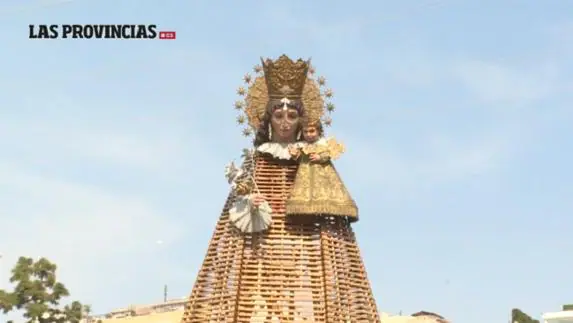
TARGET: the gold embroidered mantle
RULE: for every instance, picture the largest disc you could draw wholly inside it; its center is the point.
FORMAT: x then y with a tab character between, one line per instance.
319	190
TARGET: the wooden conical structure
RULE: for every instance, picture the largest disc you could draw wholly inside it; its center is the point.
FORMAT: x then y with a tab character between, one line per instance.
294	272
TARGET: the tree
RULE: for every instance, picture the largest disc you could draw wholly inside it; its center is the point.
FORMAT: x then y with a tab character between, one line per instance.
517	316
38	294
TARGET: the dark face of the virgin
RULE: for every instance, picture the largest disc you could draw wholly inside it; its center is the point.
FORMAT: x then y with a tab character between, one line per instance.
284	123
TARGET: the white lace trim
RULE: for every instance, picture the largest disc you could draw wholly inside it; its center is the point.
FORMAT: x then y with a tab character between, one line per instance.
280	150
276	149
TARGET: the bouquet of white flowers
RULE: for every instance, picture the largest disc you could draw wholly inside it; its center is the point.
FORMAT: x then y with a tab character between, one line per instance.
243	214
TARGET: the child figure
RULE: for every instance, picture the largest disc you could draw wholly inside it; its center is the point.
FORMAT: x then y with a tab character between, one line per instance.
318	190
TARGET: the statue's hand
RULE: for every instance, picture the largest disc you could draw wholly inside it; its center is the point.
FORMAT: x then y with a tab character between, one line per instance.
315	157
258	199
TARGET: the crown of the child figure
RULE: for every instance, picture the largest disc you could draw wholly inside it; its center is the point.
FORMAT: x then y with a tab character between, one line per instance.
285	78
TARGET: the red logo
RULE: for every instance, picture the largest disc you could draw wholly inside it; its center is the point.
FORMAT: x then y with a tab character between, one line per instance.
167	35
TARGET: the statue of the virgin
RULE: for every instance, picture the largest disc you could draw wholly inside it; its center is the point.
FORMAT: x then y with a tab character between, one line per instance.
263	264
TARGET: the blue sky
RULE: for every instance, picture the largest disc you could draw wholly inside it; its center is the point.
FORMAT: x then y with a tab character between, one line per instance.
456	116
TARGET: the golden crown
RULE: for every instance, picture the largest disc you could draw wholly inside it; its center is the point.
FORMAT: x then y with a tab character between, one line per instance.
279	79
285	78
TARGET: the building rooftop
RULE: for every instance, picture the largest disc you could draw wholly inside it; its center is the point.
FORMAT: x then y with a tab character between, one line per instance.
165	317
171	311
559	317
175	317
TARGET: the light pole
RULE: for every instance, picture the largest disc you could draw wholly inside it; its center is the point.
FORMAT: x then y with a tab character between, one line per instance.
159	243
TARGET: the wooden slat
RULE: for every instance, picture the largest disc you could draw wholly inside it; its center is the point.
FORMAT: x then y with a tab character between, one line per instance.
295	272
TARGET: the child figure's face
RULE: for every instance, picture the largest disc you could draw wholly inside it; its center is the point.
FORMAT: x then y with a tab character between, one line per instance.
310	133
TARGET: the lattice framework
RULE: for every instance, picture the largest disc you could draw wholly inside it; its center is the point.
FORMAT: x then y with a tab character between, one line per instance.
295	272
